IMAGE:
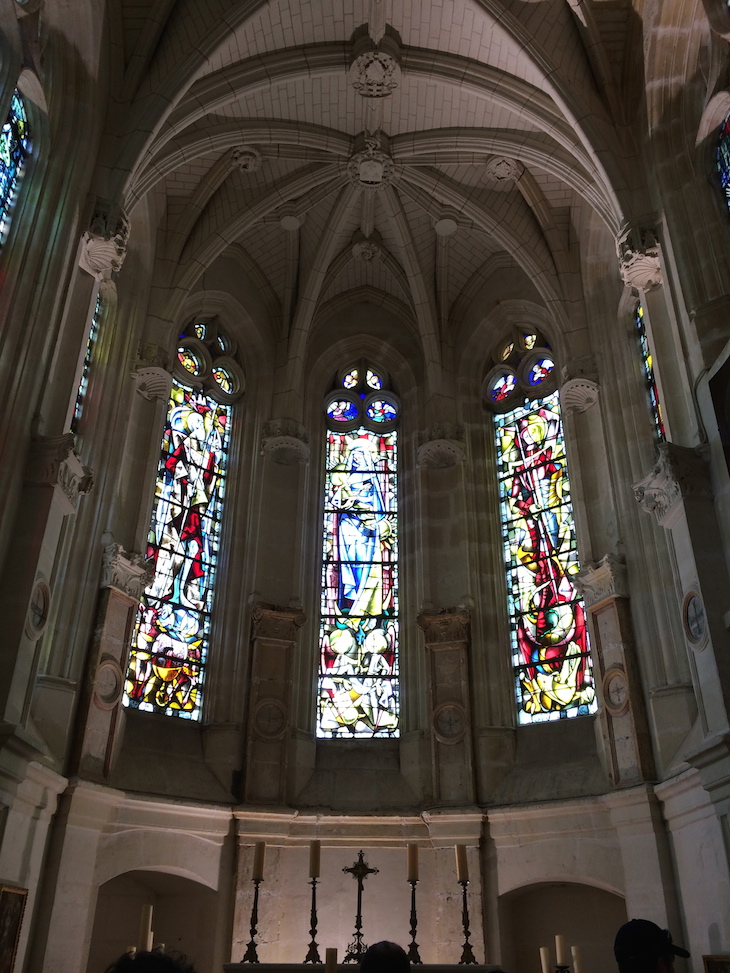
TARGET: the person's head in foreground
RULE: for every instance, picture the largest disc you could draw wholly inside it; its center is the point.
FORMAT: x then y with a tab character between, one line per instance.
642	947
154	962
385	957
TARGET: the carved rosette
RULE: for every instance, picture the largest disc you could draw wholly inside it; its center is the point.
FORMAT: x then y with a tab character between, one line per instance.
285	441
603	579
579	395
128	572
375	74
279	624
638	252
53	462
502	169
444	627
366	250
246	158
680	473
370	167
105	242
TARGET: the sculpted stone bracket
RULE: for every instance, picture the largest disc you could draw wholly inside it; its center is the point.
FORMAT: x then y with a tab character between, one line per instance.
445	627
680	473
579	395
54	462
285	441
603	579
128	573
279	624
105	242
638	251
441	446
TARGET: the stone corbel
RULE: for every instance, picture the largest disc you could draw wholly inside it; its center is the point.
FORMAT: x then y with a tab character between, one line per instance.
53	462
603	579
105	242
152	375
285	441
638	251
441	446
128	573
680	473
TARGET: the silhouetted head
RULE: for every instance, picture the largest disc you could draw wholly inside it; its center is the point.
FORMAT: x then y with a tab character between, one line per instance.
154	962
643	947
385	957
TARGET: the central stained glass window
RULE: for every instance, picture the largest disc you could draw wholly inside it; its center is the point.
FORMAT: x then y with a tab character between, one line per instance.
358	670
548	634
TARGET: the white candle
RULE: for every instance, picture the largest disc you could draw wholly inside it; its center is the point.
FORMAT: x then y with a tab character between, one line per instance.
145	928
150	940
259	853
462	868
561	951
314	848
330	961
577	959
545	959
412	863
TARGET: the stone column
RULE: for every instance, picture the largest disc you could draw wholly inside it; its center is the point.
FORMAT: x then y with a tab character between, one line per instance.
98	718
679	494
622	717
447	636
275	635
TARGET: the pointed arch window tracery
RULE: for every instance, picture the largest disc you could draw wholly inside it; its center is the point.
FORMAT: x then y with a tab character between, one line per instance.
548	634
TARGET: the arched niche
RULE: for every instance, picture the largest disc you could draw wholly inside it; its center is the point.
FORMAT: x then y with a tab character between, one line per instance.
532	915
184	917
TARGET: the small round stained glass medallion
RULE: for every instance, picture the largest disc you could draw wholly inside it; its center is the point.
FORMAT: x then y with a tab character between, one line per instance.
224	378
502	386
540	370
189	361
351	378
342	410
374	380
380	410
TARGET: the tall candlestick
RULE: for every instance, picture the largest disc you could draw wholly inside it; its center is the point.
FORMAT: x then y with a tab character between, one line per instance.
462	868
314	848
545	959
577	959
412	863
145	929
330	961
259	854
561	951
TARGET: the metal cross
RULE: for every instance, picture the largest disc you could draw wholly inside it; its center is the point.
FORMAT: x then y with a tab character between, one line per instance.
360	871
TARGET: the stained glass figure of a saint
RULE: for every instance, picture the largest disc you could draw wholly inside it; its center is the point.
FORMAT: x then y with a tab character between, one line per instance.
14	150
358	672
170	645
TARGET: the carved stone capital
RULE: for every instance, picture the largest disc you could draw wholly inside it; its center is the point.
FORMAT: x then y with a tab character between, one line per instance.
246	158
447	626
638	253
128	573
152	382
285	441
680	473
105	242
280	624
580	366
438	454
578	395
371	166
53	462
603	579
502	169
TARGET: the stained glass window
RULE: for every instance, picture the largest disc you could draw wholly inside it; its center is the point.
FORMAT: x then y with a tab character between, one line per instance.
358	673
723	158
14	149
647	362
86	368
171	641
548	634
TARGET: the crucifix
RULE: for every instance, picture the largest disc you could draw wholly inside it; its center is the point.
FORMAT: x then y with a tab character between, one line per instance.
360	871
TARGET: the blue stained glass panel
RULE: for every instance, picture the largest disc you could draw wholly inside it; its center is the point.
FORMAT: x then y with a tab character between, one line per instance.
342	410
86	367
170	646
358	673
14	149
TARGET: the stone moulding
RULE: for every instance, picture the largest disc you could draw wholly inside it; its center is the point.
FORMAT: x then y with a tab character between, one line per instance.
680	473
446	626
638	251
105	242
603	579
54	462
128	572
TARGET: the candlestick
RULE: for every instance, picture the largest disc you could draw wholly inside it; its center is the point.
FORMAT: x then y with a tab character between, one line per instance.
144	939
313	951
561	951
251	956
467	954
413	955
462	867
314	849
545	959
577	959
259	854
412	863
330	960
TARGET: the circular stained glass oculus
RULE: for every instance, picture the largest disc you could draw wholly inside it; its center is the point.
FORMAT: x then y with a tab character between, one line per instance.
342	409
380	410
351	379
502	386
189	361
374	381
540	370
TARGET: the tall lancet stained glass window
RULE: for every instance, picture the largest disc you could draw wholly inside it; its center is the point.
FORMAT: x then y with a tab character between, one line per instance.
723	159
358	669
14	150
170	647
647	363
548	634
86	367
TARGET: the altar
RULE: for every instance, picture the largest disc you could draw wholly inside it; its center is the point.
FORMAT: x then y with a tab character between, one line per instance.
355	968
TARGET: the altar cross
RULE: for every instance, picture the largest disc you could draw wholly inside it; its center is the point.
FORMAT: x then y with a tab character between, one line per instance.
359	871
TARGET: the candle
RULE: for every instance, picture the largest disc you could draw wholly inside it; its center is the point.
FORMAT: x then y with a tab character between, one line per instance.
314	847
145	928
259	853
132	950
577	959
462	869
330	961
545	959
150	940
561	951
412	863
